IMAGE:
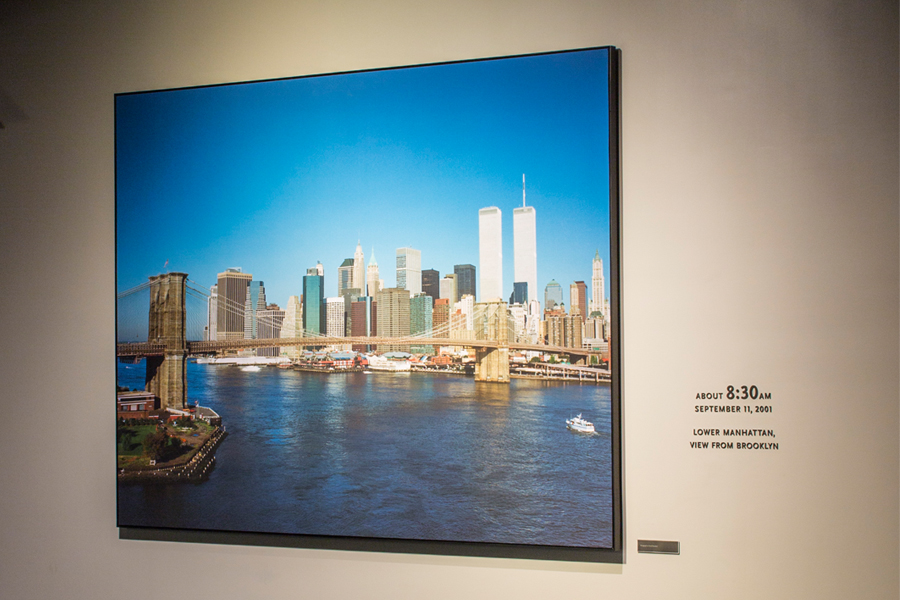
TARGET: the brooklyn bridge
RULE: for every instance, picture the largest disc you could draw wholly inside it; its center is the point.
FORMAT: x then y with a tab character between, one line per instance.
167	345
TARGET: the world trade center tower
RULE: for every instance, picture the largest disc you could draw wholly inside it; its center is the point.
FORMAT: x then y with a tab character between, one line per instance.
525	246
490	253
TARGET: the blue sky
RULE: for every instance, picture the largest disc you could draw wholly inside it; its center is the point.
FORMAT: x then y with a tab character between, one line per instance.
275	176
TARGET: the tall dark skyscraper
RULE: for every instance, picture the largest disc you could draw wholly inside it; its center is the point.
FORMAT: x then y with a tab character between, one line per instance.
520	293
431	283
465	280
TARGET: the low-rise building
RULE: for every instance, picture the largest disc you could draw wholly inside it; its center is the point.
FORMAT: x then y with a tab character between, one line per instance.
136	404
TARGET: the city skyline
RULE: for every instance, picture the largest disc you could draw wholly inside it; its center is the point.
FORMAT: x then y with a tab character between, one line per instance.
275	176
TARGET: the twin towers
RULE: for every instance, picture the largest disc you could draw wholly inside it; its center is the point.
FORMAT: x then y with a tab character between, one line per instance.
490	252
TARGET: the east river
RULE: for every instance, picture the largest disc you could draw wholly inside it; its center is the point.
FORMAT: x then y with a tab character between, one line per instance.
398	455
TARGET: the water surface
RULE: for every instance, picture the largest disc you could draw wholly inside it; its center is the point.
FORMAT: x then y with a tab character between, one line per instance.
405	455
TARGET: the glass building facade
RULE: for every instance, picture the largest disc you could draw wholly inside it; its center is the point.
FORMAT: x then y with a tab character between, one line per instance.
465	280
431	283
313	303
520	293
553	295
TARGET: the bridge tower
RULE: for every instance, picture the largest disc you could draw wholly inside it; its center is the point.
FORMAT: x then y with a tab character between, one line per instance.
167	375
491	324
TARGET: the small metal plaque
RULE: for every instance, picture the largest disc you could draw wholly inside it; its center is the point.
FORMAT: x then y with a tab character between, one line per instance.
659	547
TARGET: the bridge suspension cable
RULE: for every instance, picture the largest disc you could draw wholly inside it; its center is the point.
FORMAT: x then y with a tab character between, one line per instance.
130	292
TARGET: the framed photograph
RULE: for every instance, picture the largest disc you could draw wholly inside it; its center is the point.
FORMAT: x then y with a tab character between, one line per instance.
374	310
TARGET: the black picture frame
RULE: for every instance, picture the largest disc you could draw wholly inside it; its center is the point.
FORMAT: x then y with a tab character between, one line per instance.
611	553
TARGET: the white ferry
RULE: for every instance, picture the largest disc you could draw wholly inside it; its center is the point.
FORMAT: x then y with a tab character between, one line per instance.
579	425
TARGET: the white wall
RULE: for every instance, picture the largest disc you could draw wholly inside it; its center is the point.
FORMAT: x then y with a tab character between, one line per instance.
760	247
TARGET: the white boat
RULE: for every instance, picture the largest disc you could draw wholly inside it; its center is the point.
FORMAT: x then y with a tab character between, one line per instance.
579	425
380	363
244	361
251	369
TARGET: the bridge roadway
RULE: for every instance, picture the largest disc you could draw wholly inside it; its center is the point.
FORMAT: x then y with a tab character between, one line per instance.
158	349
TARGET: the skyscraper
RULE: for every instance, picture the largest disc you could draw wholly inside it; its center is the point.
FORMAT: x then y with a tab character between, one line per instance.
359	269
533	321
292	326
212	312
232	296
269	322
420	313
431	283
465	280
517	314
440	318
466	306
373	283
525	244
598	293
573	325
360	317
556	331
520	293
313	303
553	295
254	301
449	289
393	315
578	299
334	317
564	330
360	321
345	276
350	295
490	253
409	270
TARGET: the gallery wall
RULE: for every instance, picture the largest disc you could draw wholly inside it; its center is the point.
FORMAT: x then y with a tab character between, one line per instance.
760	247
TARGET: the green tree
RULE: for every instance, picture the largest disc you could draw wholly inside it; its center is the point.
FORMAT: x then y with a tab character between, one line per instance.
155	444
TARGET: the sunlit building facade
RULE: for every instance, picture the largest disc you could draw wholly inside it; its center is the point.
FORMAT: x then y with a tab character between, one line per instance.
231	287
525	247
490	253
409	270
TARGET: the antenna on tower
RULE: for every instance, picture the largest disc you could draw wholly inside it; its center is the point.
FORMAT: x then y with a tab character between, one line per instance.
523	190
